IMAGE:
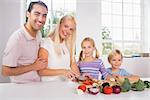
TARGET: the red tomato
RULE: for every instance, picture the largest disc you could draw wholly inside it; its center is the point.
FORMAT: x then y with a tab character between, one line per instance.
87	82
107	90
82	87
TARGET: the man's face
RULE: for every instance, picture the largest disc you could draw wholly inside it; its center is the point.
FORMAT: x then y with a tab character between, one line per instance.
37	17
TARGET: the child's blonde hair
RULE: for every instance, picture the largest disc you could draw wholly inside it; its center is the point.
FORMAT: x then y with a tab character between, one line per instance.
70	42
114	52
81	58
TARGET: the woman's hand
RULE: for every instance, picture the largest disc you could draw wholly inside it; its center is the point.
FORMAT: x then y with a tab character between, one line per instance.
39	64
69	74
87	75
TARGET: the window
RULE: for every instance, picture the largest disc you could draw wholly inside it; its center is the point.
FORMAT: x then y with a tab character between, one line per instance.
57	9
121	26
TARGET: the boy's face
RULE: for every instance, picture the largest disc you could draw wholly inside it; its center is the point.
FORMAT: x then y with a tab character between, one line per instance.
116	61
37	17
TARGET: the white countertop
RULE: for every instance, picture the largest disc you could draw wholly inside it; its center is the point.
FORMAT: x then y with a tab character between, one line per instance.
56	90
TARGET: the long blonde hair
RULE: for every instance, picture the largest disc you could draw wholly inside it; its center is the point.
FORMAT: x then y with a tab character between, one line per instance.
81	58
70	42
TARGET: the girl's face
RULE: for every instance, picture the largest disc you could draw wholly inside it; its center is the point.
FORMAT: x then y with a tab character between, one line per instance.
87	49
66	29
116	61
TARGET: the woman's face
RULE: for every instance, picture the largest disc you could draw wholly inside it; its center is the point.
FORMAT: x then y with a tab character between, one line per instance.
116	61
67	27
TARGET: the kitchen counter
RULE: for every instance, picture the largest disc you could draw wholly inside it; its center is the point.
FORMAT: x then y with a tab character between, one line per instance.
58	90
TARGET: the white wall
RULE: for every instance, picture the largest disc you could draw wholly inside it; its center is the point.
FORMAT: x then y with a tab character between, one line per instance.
146	26
88	21
9	22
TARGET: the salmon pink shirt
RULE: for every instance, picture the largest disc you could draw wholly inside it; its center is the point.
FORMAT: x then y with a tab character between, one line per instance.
22	49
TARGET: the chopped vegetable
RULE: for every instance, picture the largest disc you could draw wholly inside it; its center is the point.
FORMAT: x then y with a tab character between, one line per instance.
107	90
105	84
147	84
79	91
82	87
126	85
138	86
116	89
112	79
107	87
88	82
93	90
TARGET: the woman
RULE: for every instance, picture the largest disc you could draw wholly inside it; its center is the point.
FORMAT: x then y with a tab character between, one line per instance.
58	50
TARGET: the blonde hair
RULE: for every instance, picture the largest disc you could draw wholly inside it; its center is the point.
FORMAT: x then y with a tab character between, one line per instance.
70	42
114	52
81	58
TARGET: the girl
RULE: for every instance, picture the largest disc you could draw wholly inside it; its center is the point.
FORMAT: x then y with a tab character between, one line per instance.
115	59
89	62
58	49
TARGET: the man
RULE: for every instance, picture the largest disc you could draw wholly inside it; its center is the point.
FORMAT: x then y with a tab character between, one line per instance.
20	60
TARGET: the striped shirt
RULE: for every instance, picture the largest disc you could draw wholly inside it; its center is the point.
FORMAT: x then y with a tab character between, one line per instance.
121	72
93	68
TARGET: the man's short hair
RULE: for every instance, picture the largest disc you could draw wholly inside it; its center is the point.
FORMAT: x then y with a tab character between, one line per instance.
33	3
37	2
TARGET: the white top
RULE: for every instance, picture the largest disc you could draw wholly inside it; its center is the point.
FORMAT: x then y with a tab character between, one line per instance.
22	49
54	61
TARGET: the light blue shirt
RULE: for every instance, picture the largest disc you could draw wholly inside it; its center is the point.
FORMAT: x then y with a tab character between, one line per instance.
121	72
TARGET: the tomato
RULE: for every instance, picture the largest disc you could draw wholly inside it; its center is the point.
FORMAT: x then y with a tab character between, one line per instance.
87	82
82	87
107	90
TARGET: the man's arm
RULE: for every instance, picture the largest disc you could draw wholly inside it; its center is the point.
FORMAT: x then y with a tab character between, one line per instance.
12	71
